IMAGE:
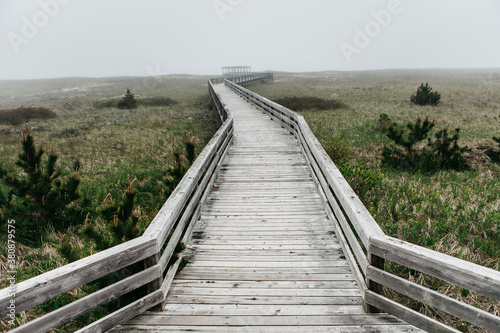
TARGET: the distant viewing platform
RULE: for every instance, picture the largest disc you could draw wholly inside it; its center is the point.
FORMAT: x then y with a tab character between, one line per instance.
236	70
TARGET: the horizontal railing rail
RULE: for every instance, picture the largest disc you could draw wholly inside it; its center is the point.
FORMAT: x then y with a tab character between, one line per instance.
251	78
367	247
154	249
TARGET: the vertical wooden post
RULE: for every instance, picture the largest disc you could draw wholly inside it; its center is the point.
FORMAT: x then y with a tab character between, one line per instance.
155	284
376	262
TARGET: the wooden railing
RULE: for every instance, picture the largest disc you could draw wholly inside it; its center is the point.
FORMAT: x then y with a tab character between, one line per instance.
251	78
154	249
367	247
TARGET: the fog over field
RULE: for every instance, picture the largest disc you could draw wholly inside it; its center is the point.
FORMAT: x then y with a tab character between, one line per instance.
92	38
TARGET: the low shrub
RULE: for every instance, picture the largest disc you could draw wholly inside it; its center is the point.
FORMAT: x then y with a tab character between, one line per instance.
183	159
39	194
157	101
23	114
425	96
494	154
442	153
383	123
337	149
362	178
121	220
309	102
128	101
125	101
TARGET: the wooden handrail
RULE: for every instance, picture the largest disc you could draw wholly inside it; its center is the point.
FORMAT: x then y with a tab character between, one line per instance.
462	273
371	247
176	216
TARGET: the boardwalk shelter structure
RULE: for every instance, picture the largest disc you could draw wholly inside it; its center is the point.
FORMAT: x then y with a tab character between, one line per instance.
277	241
236	70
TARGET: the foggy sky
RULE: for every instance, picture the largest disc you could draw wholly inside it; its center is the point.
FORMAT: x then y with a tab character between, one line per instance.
101	38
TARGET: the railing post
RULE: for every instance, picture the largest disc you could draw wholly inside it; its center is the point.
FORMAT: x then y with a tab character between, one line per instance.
379	263
155	284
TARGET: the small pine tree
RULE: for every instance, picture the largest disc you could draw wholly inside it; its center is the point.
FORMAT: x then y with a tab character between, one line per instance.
443	152
408	159
121	220
383	122
446	151
425	96
40	195
128	101
493	154
179	168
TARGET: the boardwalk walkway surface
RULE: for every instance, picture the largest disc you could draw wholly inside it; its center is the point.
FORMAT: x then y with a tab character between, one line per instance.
264	257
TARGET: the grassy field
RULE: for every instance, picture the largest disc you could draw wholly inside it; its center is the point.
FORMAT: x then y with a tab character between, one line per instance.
112	146
457	213
452	212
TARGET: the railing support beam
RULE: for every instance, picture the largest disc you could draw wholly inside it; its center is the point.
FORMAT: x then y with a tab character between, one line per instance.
377	288
155	284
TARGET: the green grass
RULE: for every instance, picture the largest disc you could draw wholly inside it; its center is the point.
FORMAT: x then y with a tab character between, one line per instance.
457	213
112	146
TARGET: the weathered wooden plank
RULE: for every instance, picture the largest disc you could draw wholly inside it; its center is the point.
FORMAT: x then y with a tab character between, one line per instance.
406	314
88	303
348	254
262	310
266	235
447	304
362	319
320	260
124	313
353	328
477	278
201	270
271	253
277	276
198	292
265	264
267	300
342	284
265	247
61	280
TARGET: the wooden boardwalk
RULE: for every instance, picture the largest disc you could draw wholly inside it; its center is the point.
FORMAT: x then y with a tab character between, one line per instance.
264	256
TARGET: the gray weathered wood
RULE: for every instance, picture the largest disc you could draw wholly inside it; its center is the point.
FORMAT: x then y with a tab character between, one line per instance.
406	314
125	313
162	224
270	329
477	278
90	302
430	297
61	280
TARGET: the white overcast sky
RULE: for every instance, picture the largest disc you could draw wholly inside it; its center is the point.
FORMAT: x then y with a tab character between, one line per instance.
101	38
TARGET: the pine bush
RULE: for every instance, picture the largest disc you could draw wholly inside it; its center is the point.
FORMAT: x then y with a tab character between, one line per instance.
493	154
39	195
407	157
425	96
128	101
441	152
